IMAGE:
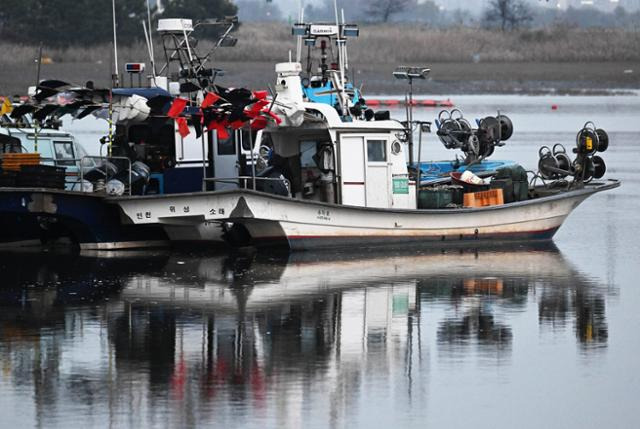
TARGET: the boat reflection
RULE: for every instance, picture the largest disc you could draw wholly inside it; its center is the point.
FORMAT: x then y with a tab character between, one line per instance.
245	337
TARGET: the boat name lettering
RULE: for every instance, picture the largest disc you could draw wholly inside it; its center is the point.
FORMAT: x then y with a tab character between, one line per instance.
141	215
324	214
219	211
185	209
172	209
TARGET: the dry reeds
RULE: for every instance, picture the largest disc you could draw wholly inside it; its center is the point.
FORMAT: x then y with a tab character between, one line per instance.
271	42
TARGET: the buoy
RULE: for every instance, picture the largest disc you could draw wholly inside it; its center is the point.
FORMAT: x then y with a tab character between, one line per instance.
554	107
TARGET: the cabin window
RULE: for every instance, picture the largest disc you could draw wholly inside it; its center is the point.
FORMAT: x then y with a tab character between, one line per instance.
377	150
64	153
247	139
227	146
308	148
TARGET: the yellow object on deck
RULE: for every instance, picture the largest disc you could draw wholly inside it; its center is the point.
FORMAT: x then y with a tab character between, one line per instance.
13	161
492	197
6	106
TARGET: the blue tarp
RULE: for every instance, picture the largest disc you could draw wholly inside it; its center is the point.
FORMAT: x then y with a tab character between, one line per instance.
143	92
434	171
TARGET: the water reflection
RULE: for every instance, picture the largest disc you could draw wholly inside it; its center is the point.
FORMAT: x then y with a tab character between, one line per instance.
280	340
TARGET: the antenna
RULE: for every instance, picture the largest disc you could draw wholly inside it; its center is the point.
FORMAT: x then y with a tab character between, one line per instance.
114	77
341	47
150	41
299	42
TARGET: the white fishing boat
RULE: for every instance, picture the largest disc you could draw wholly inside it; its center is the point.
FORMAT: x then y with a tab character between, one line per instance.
337	180
333	173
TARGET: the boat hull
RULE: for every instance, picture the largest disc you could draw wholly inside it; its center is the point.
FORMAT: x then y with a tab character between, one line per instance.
19	231
303	224
48	215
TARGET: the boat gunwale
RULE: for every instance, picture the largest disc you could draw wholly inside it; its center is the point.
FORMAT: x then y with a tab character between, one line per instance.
7	190
588	189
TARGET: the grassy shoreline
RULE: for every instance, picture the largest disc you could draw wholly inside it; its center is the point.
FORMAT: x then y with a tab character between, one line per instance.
463	60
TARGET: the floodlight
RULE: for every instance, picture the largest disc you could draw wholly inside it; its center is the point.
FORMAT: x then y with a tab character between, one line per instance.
350	30
406	72
228	42
299	30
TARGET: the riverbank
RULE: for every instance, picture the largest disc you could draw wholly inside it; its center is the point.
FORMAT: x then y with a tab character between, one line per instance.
463	60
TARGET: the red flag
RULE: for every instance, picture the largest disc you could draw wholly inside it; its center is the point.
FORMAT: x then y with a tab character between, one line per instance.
260	95
237	124
209	100
273	115
183	128
223	134
177	107
258	105
259	123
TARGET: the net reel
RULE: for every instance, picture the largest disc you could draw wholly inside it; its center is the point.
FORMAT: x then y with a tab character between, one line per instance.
456	132
556	164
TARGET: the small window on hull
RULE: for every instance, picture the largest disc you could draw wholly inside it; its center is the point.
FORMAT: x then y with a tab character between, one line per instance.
376	150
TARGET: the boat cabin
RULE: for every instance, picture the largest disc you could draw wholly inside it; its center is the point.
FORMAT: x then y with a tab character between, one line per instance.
337	159
56	147
177	163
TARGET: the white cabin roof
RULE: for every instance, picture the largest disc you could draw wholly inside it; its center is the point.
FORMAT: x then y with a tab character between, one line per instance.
28	131
334	121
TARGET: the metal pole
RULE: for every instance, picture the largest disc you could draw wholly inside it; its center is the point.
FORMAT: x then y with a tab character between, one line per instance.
299	41
410	120
35	122
419	174
214	155
115	41
204	164
39	62
152	54
253	163
110	122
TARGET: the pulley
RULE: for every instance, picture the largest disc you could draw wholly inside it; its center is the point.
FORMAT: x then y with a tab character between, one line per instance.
506	127
547	164
584	168
490	129
587	141
599	167
447	130
455	132
591	139
562	159
603	139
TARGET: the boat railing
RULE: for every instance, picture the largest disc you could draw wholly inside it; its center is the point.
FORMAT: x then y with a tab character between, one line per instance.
67	162
244	182
106	174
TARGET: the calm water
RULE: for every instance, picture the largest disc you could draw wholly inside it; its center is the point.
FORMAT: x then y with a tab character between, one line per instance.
544	336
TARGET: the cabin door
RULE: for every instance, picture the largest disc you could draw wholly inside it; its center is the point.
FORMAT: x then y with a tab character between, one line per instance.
378	188
225	160
352	174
